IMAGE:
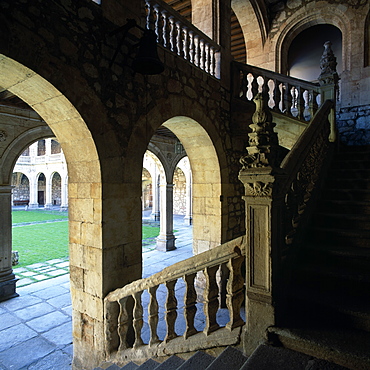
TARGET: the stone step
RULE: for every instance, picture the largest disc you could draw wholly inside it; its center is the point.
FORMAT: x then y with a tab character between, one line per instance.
130	366
341	237
342	346
149	364
199	361
350	173
344	206
173	362
267	357
347	194
341	221
230	359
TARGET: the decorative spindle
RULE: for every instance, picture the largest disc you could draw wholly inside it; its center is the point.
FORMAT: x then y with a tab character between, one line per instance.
153	315
190	301
165	30
138	319
178	38
196	50
172	33
191	47
124	323
171	310
263	141
185	41
235	292
211	303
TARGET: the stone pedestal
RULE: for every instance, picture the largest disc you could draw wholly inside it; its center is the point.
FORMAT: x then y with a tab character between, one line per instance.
7	278
166	239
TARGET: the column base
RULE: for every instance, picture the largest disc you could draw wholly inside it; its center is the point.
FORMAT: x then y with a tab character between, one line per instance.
63	208
48	206
33	206
7	289
166	243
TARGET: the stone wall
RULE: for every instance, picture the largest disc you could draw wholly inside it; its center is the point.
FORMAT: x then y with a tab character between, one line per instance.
354	125
179	192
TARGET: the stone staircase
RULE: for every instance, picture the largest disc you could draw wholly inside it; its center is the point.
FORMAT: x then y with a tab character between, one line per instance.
330	297
265	357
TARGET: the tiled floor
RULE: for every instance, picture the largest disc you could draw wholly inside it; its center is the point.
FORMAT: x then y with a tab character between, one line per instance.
36	328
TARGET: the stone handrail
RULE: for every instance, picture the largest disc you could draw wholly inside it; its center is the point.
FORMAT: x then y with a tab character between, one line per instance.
124	311
293	97
181	37
304	166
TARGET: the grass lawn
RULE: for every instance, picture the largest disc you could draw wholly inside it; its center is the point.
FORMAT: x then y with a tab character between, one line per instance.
46	241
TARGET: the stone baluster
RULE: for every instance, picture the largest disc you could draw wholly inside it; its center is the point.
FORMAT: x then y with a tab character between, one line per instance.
124	323
153	315
179	49
300	102
171	310
306	97
244	84
211	303
165	32
157	26
212	61
185	43
201	54
196	50
138	319
277	95
150	18
172	33
191	47
254	85
206	57
313	105
190	301
287	99
235	292
112	339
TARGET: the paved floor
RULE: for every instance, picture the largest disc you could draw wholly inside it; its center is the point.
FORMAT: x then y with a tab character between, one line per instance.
36	328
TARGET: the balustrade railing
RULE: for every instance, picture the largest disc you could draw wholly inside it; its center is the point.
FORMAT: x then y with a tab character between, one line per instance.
287	95
126	315
181	37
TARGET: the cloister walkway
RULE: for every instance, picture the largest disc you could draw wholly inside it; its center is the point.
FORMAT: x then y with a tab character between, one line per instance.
36	327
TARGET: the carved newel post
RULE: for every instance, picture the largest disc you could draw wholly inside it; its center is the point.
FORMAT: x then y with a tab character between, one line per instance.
261	177
329	87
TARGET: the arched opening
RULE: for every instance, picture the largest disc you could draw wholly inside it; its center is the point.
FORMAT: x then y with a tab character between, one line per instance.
305	51
56	189
21	189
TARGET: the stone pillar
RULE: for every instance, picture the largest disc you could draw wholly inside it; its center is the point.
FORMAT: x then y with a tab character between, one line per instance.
166	239
48	195
188	219
33	152
263	218
64	193
328	80
33	204
47	148
7	278
155	191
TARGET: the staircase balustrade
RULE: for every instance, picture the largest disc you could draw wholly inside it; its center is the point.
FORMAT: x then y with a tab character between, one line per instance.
290	96
179	36
125	313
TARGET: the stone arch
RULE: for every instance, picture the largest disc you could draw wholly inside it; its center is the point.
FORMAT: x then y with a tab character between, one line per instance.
302	21
202	142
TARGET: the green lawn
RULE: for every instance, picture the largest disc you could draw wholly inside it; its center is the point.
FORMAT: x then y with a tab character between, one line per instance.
46	241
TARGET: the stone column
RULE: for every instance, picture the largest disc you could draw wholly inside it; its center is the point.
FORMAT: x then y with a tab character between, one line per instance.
188	219
49	190
261	177
47	148
155	192
33	204
33	152
7	278
64	193
166	239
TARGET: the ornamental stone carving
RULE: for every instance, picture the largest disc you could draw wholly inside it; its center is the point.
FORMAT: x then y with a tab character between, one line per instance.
3	135
258	189
263	141
328	65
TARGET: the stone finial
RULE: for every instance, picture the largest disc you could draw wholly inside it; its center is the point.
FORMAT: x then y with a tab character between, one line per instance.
263	141
328	65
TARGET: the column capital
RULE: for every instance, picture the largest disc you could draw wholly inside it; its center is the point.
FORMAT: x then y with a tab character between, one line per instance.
6	189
